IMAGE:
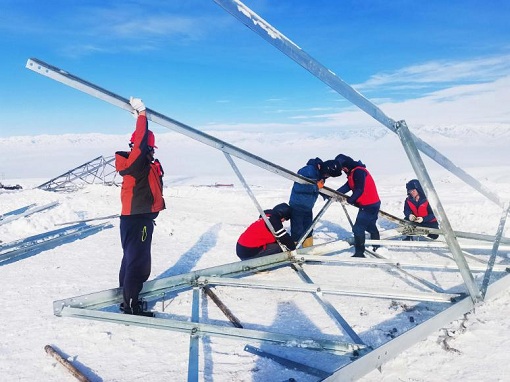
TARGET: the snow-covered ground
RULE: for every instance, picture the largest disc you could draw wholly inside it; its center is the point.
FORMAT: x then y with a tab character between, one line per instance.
199	229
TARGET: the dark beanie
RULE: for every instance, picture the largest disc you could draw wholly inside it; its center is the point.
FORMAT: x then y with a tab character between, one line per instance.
282	209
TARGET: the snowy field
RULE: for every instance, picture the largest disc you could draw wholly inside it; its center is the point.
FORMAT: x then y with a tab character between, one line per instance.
199	229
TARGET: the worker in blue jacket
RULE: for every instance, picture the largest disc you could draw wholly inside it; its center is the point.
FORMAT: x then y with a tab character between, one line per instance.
302	199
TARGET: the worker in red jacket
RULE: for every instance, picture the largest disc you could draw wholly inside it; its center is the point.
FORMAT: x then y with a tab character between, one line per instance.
257	240
365	197
142	200
417	208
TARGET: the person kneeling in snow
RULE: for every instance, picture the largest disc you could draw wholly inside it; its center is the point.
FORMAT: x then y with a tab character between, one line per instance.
417	208
258	241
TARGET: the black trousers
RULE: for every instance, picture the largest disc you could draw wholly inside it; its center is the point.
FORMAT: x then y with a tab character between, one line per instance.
136	238
245	253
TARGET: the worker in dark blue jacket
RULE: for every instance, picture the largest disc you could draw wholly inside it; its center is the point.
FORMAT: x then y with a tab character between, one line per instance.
302	199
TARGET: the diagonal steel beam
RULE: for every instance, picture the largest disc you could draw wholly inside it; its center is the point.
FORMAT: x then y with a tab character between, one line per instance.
391	349
492	259
419	168
75	82
328	307
269	33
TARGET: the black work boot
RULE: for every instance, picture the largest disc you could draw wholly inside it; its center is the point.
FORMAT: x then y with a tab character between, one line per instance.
375	236
359	246
137	310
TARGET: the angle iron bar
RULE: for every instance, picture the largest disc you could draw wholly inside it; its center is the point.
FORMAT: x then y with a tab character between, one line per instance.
347	214
253	199
202	329
17	211
470	256
382	261
269	33
407	227
430	244
289	364
66	78
89	220
328	307
391	349
226	311
29	241
327	289
314	222
75	82
469	235
78	232
494	252
421	280
325	248
194	339
390	233
30	211
159	287
476	236
419	168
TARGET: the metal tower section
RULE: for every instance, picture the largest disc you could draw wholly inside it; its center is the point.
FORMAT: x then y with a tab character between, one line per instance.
363	358
410	142
98	170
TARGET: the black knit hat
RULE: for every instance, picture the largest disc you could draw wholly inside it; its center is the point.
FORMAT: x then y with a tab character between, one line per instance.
331	168
283	209
345	161
413	184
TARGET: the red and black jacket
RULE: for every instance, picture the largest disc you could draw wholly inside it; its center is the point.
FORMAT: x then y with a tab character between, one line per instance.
258	235
420	208
364	191
142	185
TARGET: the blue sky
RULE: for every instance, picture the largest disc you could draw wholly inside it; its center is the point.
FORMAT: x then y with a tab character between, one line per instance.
429	62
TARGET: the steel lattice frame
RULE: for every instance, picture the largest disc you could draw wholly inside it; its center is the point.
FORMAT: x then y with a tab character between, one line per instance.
364	359
98	170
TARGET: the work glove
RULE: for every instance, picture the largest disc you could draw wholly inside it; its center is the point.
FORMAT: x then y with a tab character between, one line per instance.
350	200
320	183
418	219
412	217
137	104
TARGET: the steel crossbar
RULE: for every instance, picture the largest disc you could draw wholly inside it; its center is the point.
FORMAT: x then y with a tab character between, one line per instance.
329	289
399	263
200	329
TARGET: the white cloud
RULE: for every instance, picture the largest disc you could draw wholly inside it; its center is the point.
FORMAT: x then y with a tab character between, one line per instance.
436	72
